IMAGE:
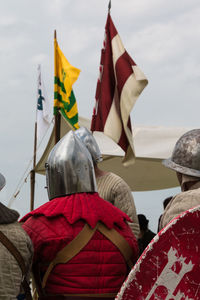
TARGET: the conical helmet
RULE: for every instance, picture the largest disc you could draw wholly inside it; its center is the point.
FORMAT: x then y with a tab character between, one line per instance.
185	158
69	168
87	138
2	181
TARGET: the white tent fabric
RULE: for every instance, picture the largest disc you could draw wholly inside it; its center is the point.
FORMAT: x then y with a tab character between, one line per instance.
152	145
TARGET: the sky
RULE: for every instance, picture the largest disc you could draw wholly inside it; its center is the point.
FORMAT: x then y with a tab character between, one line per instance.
162	37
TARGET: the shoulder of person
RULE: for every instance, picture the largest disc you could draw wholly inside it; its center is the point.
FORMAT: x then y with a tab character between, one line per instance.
186	195
119	180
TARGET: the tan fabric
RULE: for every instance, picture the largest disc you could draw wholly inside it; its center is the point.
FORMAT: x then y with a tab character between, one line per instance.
185	179
115	190
10	272
179	204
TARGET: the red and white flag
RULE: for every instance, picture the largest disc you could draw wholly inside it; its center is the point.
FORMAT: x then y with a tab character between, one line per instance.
118	87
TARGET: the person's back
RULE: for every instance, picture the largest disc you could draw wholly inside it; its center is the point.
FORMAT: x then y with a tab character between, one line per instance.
95	266
146	235
11	275
99	268
166	201
110	186
185	160
10	272
114	189
181	202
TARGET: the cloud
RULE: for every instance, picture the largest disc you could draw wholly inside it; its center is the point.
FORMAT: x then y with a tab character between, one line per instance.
40	58
8	21
56	8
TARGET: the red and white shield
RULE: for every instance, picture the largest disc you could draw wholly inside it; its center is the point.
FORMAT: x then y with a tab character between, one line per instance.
169	268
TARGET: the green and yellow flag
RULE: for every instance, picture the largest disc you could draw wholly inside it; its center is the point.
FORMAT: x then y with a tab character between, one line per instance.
64	78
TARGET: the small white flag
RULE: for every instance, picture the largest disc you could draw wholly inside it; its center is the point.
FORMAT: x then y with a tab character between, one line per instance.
44	113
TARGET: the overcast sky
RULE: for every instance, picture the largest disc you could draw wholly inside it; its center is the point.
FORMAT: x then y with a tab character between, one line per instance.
163	37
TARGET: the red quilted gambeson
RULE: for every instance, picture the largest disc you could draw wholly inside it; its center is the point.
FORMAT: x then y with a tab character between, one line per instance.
99	267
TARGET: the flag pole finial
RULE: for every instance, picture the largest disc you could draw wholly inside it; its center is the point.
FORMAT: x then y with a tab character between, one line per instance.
109	6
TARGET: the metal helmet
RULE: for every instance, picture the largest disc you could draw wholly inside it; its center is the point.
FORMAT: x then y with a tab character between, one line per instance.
2	181
69	168
87	138
185	158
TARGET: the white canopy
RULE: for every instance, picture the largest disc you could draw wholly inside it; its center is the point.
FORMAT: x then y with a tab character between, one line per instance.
152	145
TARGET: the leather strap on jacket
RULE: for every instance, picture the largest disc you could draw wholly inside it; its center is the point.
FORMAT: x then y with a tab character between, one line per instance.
81	240
17	255
69	251
119	241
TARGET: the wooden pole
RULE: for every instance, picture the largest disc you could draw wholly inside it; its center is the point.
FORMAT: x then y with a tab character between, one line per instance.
57	127
57	117
32	173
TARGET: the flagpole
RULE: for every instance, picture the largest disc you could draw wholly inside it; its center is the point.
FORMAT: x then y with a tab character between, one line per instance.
57	116
32	173
109	6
